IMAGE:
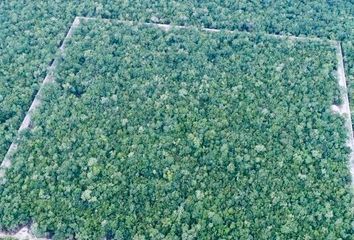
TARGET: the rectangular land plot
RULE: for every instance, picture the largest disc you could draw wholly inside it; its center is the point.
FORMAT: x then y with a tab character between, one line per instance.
170	134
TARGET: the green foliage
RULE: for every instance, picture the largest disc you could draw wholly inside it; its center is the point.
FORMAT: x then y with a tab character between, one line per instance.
268	165
30	33
184	134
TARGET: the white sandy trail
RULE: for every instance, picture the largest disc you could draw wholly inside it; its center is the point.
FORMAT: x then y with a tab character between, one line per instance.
171	26
345	107
6	163
23	234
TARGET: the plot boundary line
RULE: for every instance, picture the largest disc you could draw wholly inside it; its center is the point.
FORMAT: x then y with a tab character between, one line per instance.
344	108
49	78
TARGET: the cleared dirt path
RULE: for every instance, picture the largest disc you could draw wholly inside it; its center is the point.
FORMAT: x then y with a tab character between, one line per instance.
170	26
26	123
23	234
345	107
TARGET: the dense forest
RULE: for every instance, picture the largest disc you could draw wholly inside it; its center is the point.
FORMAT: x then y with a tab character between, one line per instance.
269	163
31	32
184	135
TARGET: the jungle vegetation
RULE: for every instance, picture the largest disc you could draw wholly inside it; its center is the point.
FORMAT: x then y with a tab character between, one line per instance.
30	33
148	134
